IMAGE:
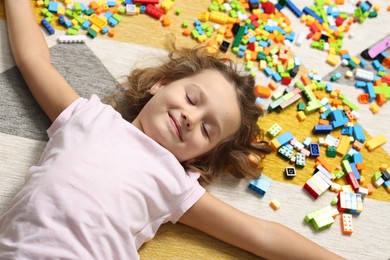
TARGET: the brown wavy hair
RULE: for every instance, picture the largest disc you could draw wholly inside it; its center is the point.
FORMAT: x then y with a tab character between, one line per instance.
231	154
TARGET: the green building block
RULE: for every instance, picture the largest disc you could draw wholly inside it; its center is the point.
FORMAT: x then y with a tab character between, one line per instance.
331	151
274	130
300	160
285	152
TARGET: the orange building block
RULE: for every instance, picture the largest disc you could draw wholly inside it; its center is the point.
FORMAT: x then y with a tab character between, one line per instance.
323	122
358	145
370	188
261	91
386	62
346	224
322	160
166	21
272	85
363	98
305	79
380	99
111	33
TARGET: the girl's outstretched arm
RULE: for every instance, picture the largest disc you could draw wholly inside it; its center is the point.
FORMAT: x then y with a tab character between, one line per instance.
263	238
32	57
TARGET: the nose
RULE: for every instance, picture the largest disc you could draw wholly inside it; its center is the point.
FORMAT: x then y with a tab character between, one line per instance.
189	120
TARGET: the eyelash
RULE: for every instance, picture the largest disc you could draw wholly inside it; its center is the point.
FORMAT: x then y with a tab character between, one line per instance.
204	129
189	100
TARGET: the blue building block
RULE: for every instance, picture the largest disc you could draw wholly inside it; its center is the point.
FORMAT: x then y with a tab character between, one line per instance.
53	7
47	26
112	21
276	76
314	150
108	14
260	185
308	11
268	71
284	138
86	24
347	130
358	133
370	90
298	13
357	157
322	129
307	141
337	118
355	171
105	30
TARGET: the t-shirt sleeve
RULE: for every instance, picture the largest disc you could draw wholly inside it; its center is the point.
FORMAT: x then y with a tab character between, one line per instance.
193	194
67	113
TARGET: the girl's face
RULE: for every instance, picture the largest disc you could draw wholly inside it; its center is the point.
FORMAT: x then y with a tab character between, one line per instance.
191	116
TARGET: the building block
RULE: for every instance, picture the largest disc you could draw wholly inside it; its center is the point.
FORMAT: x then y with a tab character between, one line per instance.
317	184
154	12
343	145
322	129
275	204
285	138
375	142
300	160
274	130
72	39
350	202
321	218
290	172
314	150
331	151
346	224
50	30
358	133
260	185
285	152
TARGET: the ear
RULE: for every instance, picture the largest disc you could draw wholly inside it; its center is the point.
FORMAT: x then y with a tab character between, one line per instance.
153	90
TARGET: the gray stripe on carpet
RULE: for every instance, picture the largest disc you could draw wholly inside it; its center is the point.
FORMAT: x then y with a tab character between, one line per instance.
20	115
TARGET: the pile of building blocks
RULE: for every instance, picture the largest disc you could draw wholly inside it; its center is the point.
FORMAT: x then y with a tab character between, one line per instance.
99	16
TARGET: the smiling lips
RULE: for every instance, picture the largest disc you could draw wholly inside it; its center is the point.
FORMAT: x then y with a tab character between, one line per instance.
176	126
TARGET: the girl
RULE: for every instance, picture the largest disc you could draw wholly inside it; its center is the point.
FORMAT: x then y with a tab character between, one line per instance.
103	186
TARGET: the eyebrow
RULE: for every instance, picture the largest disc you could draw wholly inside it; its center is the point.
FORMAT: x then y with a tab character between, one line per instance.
217	123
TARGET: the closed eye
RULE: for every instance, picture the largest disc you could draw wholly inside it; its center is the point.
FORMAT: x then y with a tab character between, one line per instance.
189	100
205	131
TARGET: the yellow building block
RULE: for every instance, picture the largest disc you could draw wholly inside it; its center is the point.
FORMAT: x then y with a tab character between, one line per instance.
204	16
275	204
96	20
355	59
343	146
301	116
61	10
374	108
95	28
218	17
275	144
375	142
333	59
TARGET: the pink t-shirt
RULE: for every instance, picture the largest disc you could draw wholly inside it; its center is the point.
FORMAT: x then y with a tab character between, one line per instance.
100	190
